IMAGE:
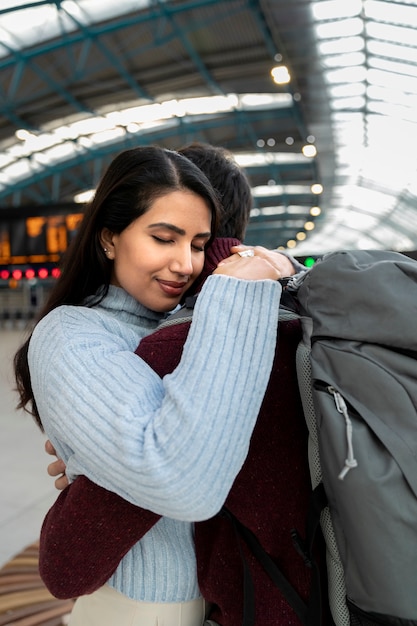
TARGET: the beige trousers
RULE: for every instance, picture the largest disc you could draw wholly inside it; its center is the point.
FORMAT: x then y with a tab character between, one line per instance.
108	607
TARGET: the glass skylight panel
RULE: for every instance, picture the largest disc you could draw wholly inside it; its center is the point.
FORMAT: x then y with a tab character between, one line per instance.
375	92
44	21
346	75
108	136
91	125
406	216
395	12
348	118
10	4
34	143
347	141
393	51
355	104
392	110
344	60
294	209
206	105
85	142
42	158
388	32
378	130
264	100
349	133
389	175
407	69
284	210
270	210
371	201
62	151
392	237
103	10
334	9
349	90
5	159
359	221
18	170
278	190
344	28
394	81
343	45
254	159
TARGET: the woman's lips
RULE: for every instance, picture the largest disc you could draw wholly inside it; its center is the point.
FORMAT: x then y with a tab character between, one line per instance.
172	288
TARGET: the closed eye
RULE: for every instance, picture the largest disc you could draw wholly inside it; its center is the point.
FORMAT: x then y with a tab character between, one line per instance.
162	241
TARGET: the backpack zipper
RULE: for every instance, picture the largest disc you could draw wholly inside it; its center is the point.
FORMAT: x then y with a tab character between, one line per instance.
350	461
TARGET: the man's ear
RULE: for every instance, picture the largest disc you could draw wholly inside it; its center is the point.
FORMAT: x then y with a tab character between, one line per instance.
106	240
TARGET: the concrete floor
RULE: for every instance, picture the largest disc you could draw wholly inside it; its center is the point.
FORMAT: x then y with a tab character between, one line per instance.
26	490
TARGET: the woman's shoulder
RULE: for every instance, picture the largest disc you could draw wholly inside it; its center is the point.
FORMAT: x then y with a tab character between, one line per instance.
64	315
81	327
59	327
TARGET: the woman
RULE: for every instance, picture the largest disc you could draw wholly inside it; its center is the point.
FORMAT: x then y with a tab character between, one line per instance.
171	445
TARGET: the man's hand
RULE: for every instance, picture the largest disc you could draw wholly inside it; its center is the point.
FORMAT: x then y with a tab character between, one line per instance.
276	258
56	468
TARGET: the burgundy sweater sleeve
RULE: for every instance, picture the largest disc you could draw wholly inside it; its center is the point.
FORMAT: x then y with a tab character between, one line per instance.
85	535
89	529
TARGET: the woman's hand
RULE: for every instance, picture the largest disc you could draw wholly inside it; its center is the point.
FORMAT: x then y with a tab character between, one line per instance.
249	265
276	258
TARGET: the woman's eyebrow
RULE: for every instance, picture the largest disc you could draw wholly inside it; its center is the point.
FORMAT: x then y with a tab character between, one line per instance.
176	229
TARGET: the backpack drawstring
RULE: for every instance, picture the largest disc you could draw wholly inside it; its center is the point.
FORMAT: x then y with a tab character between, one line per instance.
350	461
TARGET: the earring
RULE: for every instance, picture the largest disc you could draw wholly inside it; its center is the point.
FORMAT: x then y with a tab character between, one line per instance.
105	250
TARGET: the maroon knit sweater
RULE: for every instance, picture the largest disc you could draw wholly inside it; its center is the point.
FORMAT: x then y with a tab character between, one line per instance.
89	529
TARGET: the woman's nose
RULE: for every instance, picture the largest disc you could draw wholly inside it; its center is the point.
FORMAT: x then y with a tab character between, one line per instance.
183	262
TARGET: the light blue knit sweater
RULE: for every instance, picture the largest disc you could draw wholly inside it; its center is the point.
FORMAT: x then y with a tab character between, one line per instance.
173	446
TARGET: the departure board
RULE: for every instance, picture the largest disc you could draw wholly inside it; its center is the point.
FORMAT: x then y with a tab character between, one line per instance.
36	238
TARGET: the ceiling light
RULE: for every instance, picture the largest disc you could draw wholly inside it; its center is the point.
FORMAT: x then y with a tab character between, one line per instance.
309	150
280	74
317	188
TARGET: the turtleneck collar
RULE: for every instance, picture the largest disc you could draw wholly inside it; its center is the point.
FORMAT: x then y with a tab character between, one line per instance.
123	306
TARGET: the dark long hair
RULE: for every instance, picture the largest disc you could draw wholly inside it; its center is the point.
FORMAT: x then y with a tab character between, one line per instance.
132	182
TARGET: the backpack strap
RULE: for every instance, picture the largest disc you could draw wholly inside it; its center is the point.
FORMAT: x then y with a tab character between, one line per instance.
318	502
309	614
184	314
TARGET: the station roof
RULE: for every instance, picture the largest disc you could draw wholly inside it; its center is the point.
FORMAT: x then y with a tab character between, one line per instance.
317	99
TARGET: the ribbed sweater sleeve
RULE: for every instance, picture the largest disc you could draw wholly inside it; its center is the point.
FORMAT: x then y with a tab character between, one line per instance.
173	446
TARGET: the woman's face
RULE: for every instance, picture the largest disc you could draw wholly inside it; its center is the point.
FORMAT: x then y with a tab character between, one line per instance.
159	255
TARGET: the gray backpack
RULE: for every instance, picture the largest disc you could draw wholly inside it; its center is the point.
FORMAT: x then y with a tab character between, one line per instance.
357	368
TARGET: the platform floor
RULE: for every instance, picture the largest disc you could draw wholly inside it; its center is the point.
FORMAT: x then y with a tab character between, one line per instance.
26	490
